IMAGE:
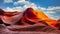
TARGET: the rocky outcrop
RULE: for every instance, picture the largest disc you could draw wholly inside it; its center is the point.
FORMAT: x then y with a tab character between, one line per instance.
29	20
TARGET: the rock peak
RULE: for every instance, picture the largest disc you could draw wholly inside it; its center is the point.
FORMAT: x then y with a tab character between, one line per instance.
29	9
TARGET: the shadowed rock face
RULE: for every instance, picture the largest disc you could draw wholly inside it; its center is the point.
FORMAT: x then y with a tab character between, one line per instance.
1	12
29	13
58	24
58	21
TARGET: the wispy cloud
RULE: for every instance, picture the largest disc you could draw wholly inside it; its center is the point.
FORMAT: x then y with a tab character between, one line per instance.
19	9
27	4
8	1
54	8
53	12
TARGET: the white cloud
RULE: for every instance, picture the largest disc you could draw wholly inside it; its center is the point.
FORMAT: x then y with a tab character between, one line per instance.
54	8
27	4
21	2
52	12
19	9
8	9
57	8
41	8
8	1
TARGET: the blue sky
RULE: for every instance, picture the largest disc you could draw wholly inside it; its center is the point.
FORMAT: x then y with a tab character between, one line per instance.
42	3
50	7
47	3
